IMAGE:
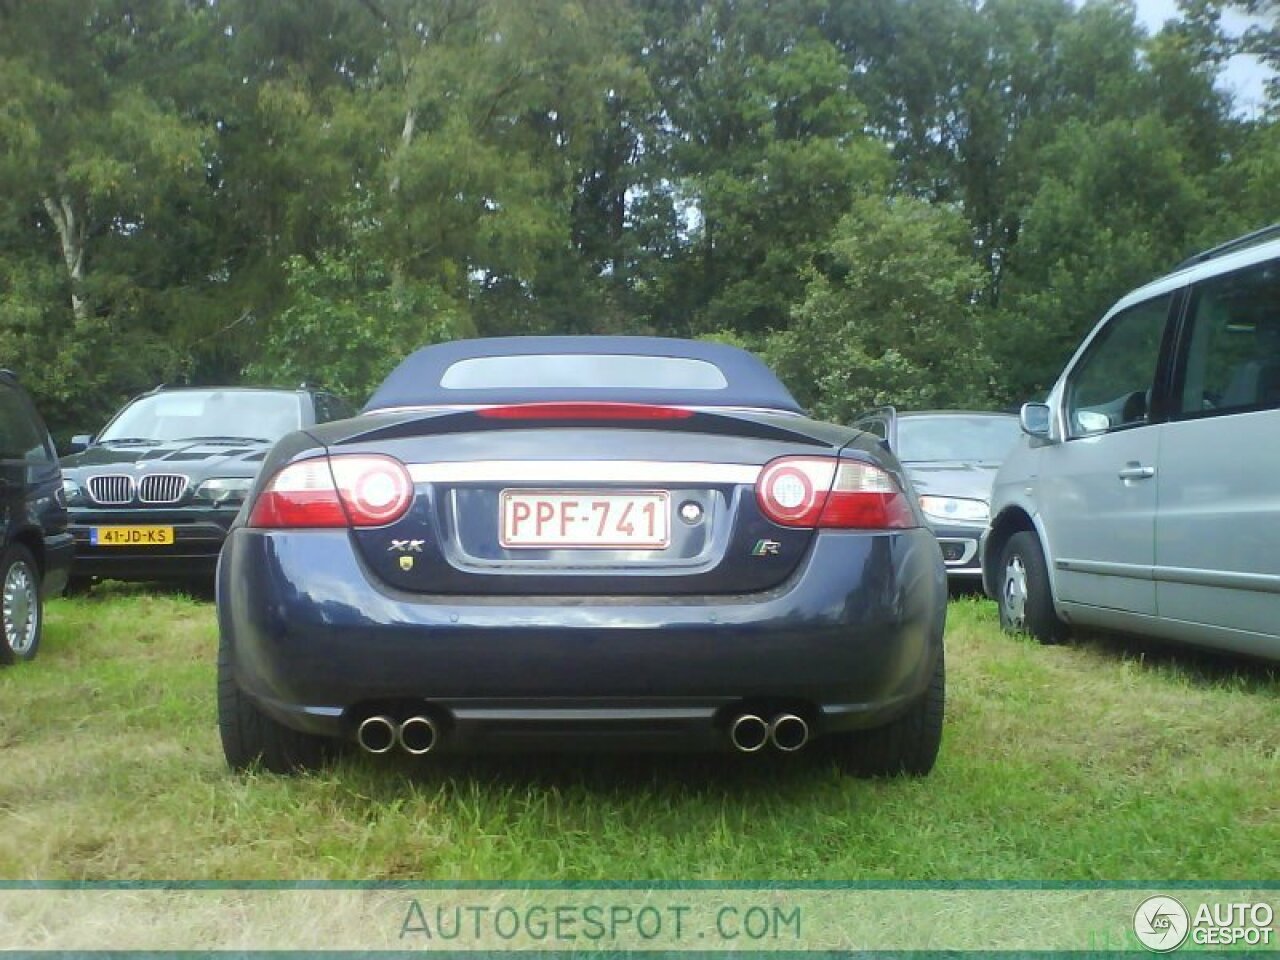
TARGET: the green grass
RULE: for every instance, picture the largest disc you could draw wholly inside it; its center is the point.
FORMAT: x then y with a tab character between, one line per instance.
1103	760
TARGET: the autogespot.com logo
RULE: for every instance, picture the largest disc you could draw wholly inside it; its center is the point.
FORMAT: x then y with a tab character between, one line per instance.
1161	924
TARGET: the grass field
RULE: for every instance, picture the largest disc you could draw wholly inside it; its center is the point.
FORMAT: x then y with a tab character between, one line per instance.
1102	760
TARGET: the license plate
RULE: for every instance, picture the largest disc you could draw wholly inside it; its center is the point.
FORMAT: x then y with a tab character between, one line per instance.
589	519
130	536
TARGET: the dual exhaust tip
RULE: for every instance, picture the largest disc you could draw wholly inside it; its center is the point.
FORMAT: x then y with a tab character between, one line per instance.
787	732
416	735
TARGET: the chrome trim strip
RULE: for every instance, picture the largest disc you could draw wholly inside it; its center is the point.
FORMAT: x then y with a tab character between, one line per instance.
584	471
1106	568
1226	579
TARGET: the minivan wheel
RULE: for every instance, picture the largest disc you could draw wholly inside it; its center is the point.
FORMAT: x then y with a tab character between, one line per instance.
249	736
21	611
1025	599
906	747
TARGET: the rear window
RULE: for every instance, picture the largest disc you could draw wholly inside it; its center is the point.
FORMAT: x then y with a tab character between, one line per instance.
662	370
582	371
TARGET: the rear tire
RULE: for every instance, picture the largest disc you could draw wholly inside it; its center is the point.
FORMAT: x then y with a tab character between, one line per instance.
250	736
21	606
1025	597
907	746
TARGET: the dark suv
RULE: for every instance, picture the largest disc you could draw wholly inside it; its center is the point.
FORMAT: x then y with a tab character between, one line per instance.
36	544
153	494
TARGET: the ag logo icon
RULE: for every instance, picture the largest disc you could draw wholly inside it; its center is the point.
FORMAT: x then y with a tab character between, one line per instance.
1161	924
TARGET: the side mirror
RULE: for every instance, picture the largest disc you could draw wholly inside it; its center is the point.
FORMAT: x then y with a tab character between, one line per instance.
1035	419
80	442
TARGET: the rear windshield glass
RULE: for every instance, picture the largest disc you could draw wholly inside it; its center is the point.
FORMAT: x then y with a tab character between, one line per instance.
956	438
583	371
215	414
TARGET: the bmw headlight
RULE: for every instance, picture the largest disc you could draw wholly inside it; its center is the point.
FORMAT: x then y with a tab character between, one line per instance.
224	491
70	491
955	508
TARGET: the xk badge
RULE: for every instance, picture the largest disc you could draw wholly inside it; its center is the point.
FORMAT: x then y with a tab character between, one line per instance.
406	546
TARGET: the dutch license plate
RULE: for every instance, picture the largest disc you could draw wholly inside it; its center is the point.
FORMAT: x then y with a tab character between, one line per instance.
590	519
130	536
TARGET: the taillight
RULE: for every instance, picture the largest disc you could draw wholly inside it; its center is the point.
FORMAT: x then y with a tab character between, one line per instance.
830	493
585	411
359	490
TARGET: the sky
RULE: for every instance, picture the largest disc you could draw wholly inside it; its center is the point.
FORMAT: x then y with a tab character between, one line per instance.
1244	76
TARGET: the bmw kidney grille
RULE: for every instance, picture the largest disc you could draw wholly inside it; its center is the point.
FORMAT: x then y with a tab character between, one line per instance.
117	488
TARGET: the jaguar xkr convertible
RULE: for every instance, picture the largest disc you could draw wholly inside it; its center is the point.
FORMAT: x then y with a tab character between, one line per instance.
581	543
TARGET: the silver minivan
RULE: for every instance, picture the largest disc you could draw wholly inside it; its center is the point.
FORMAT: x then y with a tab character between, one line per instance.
1144	495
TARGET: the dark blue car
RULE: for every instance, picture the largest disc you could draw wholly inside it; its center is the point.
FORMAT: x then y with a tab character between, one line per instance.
581	542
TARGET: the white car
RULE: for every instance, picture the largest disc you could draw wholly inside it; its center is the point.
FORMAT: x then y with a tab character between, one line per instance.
1144	495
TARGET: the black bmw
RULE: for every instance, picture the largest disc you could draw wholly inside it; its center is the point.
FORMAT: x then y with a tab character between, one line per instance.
578	542
152	496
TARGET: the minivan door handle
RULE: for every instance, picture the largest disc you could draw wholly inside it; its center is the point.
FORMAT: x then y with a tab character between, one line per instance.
1136	471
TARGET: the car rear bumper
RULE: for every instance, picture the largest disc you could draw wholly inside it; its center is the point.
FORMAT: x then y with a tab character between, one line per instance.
850	640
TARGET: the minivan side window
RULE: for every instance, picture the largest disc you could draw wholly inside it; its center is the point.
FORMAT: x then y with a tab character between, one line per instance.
1233	344
20	437
1111	385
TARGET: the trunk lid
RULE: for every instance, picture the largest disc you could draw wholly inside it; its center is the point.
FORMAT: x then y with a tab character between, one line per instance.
514	506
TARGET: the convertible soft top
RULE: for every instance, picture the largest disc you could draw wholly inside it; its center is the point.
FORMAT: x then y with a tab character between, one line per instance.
502	370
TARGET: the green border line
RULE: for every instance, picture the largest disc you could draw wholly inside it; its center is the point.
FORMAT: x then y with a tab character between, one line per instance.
640	885
621	954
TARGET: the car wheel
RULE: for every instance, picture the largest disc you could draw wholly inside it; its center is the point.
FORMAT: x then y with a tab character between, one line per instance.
1025	599
908	745
21	611
249	736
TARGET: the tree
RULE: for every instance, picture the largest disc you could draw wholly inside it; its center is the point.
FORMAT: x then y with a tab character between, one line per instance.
100	148
1118	204
764	149
348	325
100	173
891	319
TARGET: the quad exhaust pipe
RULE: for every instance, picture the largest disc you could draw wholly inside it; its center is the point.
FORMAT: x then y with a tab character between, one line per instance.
416	735
788	732
750	732
376	734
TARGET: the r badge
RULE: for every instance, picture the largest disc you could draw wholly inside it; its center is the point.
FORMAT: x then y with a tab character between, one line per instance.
766	548
406	563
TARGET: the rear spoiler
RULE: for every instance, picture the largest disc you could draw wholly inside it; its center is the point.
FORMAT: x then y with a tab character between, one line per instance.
632	416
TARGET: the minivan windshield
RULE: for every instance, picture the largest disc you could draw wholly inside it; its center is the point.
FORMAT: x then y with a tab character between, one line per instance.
262	415
956	437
